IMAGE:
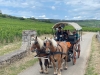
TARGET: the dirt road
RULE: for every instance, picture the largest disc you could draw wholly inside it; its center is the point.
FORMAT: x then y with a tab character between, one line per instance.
77	69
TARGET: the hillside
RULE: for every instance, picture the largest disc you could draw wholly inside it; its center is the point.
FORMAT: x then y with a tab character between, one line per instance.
89	23
11	27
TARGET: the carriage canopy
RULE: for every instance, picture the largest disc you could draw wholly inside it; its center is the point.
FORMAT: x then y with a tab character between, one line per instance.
63	24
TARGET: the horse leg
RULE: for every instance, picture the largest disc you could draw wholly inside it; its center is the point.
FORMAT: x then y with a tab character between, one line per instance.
46	66
50	64
62	65
40	62
79	47
65	68
59	66
78	50
54	65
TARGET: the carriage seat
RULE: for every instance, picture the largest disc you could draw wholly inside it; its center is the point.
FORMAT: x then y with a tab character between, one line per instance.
71	39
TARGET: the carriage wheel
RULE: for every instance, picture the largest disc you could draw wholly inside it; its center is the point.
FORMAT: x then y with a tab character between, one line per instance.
74	55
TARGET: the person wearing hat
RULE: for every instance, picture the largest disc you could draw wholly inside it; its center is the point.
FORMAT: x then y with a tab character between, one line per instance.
59	35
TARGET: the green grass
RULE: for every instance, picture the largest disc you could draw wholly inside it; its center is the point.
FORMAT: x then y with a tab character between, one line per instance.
90	70
17	67
5	49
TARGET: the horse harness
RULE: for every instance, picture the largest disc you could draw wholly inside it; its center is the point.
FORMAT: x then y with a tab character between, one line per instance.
42	51
57	52
39	52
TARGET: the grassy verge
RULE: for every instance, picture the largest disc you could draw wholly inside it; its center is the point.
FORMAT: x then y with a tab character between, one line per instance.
5	49
17	67
93	67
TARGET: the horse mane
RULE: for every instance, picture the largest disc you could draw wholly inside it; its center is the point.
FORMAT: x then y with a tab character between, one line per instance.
39	41
47	39
54	43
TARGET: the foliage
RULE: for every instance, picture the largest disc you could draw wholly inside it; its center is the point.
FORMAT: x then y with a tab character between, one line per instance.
47	21
32	18
11	29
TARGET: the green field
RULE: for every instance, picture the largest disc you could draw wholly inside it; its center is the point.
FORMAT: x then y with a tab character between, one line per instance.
11	27
90	25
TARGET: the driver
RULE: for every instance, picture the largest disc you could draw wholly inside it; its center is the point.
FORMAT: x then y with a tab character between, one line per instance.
59	34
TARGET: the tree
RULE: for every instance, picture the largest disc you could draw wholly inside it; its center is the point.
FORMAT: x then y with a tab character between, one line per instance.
0	12
32	18
47	21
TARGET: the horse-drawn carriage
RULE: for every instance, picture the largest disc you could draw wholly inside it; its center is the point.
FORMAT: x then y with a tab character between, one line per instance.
73	39
57	50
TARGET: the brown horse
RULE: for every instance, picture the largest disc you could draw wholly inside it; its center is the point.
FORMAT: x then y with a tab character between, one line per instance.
58	52
37	45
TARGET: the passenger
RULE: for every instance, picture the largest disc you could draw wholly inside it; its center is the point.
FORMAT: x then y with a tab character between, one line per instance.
65	35
59	35
76	34
68	32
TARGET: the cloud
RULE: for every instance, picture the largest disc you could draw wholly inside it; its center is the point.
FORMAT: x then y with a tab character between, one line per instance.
33	7
24	16
42	16
56	9
77	17
53	8
25	4
7	11
20	3
32	17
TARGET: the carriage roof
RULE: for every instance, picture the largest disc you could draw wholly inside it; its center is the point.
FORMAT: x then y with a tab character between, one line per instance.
63	24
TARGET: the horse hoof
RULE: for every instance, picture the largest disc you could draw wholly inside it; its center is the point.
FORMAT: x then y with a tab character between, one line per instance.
41	71
50	66
65	68
55	73
61	69
59	74
46	72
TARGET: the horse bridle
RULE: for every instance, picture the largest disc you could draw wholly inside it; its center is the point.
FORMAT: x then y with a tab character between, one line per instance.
39	51
56	52
45	43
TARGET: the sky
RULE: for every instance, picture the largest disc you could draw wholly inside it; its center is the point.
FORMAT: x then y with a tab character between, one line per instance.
52	9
